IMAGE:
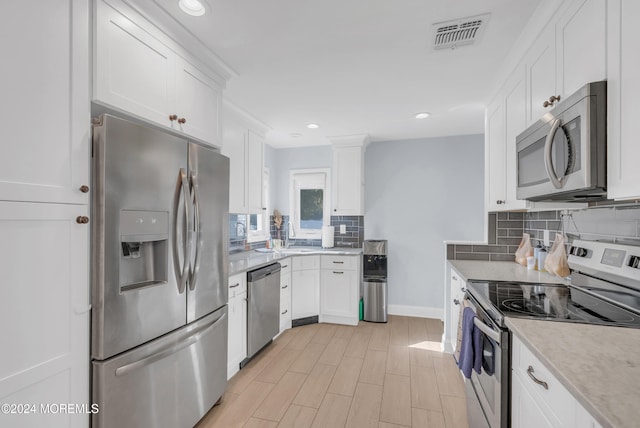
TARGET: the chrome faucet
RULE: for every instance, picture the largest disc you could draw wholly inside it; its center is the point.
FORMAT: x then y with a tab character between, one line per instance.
291	231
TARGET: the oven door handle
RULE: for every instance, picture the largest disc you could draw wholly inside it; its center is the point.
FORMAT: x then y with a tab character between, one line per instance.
494	335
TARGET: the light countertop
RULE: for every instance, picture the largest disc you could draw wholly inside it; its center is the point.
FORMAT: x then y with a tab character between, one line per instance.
249	260
479	270
599	365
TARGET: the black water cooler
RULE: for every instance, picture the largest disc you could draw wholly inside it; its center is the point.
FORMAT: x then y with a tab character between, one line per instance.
374	280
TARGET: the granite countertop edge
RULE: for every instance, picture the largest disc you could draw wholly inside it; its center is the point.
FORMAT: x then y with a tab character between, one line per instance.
250	260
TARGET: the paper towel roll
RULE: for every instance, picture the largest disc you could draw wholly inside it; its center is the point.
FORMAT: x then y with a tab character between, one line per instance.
327	236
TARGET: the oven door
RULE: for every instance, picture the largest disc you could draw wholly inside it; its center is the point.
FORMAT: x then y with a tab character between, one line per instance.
489	390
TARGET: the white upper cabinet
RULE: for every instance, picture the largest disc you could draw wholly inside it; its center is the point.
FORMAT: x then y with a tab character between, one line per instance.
348	175
505	119
243	143
198	103
45	89
255	167
540	64
623	95
143	72
581	45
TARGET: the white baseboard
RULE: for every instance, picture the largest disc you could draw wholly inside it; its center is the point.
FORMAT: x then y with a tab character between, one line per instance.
416	311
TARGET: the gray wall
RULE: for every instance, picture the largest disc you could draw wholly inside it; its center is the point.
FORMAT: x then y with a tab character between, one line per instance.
419	193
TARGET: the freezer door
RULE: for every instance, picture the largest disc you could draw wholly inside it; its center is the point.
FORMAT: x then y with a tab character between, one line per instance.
170	382
138	221
207	280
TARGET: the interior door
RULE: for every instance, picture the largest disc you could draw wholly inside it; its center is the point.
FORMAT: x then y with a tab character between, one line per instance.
138	213
208	273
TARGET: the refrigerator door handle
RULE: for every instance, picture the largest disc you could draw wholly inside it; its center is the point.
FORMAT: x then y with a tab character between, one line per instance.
196	230
182	269
187	341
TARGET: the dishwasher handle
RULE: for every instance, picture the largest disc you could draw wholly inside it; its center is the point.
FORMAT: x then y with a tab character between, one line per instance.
258	274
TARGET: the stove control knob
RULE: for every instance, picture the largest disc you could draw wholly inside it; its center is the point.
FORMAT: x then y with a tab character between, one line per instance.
581	252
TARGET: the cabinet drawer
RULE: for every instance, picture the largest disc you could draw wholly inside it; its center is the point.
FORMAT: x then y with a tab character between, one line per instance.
237	284
285	266
555	400
340	262
305	262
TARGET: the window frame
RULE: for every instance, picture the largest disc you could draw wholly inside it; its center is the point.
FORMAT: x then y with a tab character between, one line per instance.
311	178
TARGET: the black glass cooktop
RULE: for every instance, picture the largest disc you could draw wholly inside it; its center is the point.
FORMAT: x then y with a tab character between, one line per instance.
550	302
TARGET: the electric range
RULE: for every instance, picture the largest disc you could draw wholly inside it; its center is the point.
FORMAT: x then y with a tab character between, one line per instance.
604	289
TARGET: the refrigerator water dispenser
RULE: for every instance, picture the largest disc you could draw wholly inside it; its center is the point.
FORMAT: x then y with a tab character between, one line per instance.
144	257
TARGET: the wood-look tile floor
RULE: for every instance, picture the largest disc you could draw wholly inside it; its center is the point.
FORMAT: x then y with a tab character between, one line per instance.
325	375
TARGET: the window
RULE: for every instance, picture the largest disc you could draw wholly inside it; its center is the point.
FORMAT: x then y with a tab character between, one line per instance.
258	228
309	202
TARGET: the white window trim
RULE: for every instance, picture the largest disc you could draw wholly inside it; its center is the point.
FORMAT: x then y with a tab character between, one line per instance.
308	179
261	235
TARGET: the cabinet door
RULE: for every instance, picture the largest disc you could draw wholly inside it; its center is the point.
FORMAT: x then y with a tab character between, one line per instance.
515	114
347	181
237	337
339	296
525	411
235	148
198	102
305	293
541	75
44	310
255	167
623	93
581	41
44	83
495	157
132	70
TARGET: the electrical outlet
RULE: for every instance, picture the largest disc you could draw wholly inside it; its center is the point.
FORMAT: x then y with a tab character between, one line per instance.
343	229
545	237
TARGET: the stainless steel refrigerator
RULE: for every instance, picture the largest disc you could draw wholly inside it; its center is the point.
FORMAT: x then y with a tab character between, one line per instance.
159	276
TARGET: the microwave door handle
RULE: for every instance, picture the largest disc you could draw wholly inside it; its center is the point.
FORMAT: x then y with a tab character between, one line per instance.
548	161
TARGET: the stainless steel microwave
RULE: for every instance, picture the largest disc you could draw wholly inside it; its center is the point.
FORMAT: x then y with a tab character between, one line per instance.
563	156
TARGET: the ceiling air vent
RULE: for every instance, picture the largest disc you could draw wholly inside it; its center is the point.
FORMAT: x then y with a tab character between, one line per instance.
459	32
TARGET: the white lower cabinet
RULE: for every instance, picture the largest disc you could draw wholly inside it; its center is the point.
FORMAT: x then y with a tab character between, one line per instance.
237	338
339	289
457	296
285	294
538	399
44	311
305	287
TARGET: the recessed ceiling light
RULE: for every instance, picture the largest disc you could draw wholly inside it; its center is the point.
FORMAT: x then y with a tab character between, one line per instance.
422	115
313	126
192	7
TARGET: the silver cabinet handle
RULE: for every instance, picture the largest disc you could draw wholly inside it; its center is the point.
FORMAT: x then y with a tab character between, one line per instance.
456	301
455	278
338	262
284	287
339	273
235	285
542	383
285	311
284	266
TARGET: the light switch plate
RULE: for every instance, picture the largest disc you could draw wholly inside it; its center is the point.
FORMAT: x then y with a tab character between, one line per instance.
343	229
545	237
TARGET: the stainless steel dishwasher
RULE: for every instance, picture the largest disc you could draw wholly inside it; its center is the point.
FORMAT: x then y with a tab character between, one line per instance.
263	307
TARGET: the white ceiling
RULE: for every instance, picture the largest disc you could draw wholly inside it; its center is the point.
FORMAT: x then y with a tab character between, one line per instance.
356	66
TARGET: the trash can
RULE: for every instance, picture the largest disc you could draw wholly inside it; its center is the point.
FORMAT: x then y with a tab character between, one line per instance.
375	299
